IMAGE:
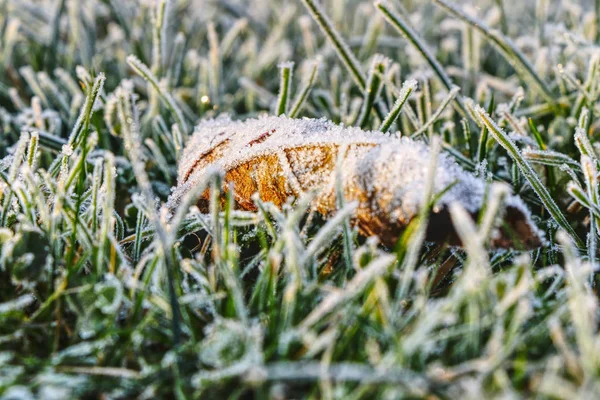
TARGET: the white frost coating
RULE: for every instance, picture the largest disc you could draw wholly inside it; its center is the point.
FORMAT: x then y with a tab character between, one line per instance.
390	170
549	157
286	64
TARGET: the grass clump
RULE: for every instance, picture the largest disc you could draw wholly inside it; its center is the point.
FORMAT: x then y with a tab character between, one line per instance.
105	293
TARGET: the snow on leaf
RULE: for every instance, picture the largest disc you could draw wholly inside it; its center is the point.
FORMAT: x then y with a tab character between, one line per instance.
279	157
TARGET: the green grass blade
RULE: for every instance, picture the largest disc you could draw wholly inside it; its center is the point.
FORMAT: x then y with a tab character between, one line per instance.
285	81
529	173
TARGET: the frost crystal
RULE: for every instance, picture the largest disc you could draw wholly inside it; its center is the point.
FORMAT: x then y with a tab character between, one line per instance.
280	157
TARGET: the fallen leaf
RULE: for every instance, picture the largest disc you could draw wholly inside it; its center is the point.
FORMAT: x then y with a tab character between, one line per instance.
279	157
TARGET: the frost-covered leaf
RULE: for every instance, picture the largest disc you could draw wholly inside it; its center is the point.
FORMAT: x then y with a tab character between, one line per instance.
279	157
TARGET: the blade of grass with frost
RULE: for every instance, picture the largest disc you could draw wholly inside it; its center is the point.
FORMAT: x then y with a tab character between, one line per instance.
158	43
373	88
451	95
107	211
158	22
372	34
565	168
295	280
580	196
299	102
175	66
96	182
178	138
159	158
582	303
510	51
427	102
32	150
529	173
409	263
87	111
407	88
190	199
75	174
215	71
470	57
407	31
483	137
166	139
137	244
31	80
12	174
327	233
36	108
550	158
590	88
216	227
169	102
536	134
133	146
10	34
420	106
582	122
471	239
42	217
285	79
412	116
234	33
590	172
340	204
80	40
498	192
589	166
229	266
584	145
14	96
58	98
24	198
18	304
568	77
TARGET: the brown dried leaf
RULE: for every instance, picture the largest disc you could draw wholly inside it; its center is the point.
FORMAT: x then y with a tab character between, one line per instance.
279	157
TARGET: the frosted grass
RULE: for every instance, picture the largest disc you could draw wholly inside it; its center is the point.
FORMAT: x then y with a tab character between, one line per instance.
529	174
109	287
407	88
285	73
513	55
